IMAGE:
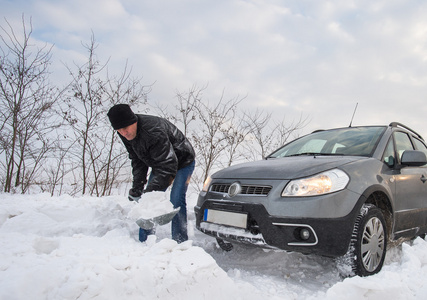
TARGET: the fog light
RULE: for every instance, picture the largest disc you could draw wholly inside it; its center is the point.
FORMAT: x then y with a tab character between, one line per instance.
305	234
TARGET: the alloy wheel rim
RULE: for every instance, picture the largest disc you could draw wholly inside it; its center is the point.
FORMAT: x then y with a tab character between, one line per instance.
372	246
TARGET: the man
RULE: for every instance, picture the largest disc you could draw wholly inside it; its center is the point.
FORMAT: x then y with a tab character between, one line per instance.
155	143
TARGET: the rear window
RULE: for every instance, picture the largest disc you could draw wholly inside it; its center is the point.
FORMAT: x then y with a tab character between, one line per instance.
420	145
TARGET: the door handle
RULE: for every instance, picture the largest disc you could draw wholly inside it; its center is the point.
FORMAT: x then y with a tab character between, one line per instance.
423	178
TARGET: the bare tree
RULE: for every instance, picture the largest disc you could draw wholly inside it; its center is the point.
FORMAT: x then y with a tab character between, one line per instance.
57	170
222	135
261	137
267	135
237	137
285	131
26	105
84	111
187	106
213	130
185	111
92	92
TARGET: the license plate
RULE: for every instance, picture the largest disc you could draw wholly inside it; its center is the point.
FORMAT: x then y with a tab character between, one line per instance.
225	218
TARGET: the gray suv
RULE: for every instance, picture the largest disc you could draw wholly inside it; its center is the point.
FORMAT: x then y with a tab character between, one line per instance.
346	192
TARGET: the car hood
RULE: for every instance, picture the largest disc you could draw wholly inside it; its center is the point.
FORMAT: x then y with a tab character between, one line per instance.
285	168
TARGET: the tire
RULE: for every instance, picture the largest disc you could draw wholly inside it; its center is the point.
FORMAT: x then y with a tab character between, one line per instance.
368	244
226	246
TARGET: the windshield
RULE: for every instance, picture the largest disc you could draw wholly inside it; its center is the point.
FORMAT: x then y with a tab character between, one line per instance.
357	141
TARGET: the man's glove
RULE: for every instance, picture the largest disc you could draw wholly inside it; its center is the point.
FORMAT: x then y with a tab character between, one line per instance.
134	194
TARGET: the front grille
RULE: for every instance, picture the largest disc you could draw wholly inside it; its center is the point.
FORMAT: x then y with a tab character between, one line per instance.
255	190
220	188
246	189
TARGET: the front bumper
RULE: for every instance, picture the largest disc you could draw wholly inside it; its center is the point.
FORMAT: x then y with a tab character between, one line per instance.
327	237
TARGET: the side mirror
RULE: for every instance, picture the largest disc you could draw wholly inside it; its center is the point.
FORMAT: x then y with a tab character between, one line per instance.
413	158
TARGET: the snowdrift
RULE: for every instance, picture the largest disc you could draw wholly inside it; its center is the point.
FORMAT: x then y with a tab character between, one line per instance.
88	248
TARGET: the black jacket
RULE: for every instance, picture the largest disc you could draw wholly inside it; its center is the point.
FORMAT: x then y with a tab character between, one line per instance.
158	145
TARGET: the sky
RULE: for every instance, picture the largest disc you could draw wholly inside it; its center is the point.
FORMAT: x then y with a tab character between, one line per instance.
301	58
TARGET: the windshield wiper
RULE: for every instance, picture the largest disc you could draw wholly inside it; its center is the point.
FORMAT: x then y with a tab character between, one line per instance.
315	154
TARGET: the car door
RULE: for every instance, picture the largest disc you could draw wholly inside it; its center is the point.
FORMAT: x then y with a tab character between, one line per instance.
411	189
420	145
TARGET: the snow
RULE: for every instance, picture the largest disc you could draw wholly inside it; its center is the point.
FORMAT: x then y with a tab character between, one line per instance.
151	205
88	248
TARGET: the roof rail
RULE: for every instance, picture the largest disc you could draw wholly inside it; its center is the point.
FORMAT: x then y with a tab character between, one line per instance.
396	124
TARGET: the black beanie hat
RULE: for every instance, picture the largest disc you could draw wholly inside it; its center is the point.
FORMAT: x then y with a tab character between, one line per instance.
121	116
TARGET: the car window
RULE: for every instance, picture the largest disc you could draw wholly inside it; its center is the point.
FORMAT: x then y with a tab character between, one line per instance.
315	145
420	145
389	154
403	142
358	141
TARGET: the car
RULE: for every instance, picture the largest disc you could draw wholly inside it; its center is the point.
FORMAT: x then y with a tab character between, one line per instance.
346	193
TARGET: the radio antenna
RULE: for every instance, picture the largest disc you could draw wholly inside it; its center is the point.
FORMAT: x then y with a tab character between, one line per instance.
353	114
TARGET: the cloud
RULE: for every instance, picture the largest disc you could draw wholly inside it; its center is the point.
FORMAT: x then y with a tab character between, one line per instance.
318	58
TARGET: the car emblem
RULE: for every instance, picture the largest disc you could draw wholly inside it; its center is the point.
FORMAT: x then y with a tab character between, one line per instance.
234	189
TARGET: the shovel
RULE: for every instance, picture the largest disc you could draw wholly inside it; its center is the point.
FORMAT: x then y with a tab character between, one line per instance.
148	224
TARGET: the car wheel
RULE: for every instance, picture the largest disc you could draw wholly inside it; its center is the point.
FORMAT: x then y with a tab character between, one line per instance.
368	245
226	246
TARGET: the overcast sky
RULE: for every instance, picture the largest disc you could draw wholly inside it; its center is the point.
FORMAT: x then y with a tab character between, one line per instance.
311	58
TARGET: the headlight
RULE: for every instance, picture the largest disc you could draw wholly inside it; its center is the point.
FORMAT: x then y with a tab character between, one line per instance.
207	184
323	183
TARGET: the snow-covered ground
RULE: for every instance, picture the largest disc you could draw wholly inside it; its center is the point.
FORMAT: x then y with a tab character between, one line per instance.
88	248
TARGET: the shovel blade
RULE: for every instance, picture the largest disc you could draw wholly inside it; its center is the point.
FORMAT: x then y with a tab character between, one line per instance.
148	224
